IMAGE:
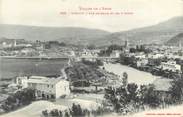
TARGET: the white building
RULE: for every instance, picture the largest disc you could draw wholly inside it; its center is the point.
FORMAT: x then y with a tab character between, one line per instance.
115	54
45	87
171	66
155	56
89	53
140	55
142	62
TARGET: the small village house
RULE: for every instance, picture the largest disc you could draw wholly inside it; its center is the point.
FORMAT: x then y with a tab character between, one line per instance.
45	87
142	62
115	54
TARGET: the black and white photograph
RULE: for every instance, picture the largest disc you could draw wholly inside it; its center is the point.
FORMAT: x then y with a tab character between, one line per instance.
91	58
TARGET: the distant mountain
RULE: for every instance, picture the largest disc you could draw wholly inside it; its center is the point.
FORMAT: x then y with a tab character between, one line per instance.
72	35
176	40
159	33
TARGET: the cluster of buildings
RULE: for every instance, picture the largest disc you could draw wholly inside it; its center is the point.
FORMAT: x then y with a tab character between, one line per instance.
13	43
166	59
23	48
159	58
171	66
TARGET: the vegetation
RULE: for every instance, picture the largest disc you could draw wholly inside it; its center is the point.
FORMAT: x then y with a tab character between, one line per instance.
20	98
177	90
95	64
75	111
109	50
91	47
131	98
80	71
140	48
125	60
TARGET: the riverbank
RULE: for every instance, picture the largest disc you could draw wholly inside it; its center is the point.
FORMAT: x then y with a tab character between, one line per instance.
134	75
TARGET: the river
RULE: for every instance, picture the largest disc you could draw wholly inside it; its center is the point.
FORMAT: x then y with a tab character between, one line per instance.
134	75
14	67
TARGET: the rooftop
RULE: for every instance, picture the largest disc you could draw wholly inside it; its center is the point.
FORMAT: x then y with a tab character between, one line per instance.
44	80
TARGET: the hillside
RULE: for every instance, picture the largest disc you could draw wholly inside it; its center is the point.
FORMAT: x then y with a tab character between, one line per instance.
73	35
35	109
176	40
159	33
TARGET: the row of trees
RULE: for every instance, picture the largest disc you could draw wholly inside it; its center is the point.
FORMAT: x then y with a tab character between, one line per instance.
94	64
140	48
74	111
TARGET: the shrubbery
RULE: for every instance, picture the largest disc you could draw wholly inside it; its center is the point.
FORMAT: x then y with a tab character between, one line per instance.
20	98
131	98
75	111
93	63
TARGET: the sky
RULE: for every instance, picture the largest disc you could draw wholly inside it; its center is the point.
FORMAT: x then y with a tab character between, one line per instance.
47	13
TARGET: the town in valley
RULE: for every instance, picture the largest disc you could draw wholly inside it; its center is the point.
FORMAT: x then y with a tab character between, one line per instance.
95	80
91	58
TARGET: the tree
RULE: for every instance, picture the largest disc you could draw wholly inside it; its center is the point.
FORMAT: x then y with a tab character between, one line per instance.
177	90
132	50
121	97
63	44
60	114
150	98
45	113
142	92
76	110
125	79
67	114
132	91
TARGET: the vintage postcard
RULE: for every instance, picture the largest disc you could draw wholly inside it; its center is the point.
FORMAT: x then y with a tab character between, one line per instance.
91	58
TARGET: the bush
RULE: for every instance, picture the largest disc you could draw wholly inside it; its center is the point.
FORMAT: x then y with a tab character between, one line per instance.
24	97
75	111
